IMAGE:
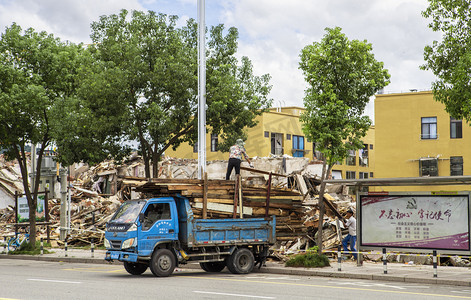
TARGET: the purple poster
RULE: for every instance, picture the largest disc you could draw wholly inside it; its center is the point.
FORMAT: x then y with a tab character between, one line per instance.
406	221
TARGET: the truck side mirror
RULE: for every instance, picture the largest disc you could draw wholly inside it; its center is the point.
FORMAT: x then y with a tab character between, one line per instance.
141	218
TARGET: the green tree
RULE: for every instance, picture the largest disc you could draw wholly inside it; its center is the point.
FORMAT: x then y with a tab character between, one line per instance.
450	59
37	71
141	83
342	75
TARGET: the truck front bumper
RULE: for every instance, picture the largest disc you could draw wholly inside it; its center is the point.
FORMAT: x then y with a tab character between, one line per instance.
121	256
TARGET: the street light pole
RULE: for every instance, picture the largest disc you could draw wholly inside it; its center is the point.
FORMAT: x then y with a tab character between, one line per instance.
201	90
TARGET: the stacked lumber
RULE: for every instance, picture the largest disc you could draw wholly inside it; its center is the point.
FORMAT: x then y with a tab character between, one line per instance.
285	204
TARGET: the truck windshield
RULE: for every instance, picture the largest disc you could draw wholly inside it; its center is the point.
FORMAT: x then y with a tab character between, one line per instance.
128	212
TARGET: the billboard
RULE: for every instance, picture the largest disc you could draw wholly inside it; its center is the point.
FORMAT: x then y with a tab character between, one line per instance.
436	222
23	209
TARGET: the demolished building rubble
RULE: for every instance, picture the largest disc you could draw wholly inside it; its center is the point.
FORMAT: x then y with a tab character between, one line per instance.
99	190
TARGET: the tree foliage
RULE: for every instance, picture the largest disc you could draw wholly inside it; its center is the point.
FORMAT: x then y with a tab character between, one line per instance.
342	75
450	59
37	72
140	84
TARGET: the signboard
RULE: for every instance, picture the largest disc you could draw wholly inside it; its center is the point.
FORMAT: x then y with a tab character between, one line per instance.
438	222
23	209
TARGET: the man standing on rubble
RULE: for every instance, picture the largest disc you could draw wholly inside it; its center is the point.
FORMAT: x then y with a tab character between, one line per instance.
235	158
351	237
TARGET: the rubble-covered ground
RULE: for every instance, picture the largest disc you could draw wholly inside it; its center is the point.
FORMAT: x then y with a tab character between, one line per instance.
96	192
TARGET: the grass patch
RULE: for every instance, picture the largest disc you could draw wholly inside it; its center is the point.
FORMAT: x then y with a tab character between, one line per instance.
310	259
29	249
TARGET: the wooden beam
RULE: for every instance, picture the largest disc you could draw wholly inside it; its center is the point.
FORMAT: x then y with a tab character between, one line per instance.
262	172
205	196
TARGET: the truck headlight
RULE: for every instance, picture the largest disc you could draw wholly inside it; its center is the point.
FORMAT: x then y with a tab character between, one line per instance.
129	243
107	244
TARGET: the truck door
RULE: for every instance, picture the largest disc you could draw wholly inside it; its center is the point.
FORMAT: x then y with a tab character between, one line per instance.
158	225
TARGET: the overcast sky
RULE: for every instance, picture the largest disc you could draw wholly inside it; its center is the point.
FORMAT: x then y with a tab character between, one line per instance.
271	32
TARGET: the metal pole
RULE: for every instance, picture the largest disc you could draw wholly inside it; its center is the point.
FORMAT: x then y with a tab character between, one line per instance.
385	262
201	90
339	258
63	207
69	202
435	263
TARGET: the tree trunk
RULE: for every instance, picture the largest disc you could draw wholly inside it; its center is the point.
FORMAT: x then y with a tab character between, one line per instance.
155	163
321	206
146	163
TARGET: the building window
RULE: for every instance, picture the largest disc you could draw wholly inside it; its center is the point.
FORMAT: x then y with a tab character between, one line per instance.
336	174
277	143
316	154
371	174
351	158
350	175
456	129
195	148
266	134
288	137
298	146
429	128
456	166
428	167
363	156
371	146
214	142
363	175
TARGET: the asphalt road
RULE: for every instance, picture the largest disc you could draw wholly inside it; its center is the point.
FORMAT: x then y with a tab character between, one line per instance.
21	279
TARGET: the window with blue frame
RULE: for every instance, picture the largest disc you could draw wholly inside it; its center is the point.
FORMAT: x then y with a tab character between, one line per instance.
298	146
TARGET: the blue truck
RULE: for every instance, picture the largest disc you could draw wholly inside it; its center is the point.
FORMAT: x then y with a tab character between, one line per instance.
162	233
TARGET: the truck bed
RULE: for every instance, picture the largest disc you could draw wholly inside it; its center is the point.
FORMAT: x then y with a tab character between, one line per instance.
229	231
204	232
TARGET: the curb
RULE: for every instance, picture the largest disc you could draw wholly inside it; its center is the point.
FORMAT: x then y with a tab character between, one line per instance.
268	270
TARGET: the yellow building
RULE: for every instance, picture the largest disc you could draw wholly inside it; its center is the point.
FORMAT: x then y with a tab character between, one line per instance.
279	132
415	137
360	164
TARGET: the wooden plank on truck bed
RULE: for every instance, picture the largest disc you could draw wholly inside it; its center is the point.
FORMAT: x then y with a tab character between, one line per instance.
224	208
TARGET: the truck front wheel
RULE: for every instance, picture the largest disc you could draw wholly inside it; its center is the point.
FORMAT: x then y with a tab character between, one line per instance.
241	261
163	263
134	268
216	266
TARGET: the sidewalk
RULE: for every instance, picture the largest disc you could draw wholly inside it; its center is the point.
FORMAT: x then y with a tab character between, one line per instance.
459	276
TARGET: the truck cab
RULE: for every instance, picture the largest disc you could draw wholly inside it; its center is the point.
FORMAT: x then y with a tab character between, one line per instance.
138	226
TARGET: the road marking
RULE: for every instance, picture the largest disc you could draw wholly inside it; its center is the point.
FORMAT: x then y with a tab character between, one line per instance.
282	278
96	270
234	295
50	280
270	278
329	286
462	291
369	284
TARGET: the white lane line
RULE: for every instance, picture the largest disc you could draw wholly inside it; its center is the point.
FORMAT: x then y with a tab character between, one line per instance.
50	280
282	278
235	295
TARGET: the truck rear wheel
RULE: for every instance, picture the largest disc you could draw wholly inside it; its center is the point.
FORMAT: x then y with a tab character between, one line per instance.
135	268
216	266
241	261
163	263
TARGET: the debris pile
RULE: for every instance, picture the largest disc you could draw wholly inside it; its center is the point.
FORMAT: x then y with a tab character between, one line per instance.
98	191
221	197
